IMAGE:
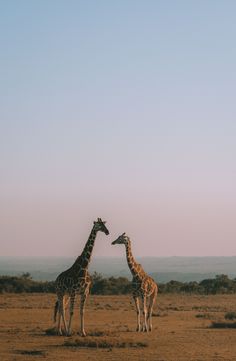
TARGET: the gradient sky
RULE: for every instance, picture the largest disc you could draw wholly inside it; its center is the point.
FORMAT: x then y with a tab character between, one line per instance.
123	110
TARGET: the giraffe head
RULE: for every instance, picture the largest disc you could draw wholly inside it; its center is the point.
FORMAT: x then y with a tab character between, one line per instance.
99	225
122	239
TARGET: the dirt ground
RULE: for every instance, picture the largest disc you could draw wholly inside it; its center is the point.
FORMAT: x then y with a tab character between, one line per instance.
181	330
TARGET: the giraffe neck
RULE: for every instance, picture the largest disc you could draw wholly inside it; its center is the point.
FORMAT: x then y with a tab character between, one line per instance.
134	267
83	260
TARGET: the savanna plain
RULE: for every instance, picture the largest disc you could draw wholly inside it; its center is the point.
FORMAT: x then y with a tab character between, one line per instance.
182	329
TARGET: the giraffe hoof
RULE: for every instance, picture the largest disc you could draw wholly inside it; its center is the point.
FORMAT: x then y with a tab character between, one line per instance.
83	334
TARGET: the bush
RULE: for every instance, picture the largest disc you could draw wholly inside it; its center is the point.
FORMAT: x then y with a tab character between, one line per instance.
110	286
220	284
24	283
223	325
230	316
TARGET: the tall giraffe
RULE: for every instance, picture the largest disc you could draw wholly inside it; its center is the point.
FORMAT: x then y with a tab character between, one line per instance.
143	286
76	280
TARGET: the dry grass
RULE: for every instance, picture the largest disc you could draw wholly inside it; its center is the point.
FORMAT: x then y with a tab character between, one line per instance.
223	325
103	342
230	315
159	314
32	352
52	331
100	333
183	330
206	316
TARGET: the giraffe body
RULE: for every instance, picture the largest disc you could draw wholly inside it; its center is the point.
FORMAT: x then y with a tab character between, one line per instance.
143	286
76	280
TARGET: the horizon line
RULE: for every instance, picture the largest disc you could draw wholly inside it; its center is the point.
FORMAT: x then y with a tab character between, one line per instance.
115	257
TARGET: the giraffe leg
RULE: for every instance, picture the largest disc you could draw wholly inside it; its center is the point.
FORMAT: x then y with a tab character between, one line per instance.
150	309
62	316
72	302
59	331
82	306
136	301
144	299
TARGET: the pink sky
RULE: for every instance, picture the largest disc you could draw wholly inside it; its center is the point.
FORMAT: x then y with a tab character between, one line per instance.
120	110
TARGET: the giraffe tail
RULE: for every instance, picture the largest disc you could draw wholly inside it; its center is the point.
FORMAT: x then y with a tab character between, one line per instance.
56	307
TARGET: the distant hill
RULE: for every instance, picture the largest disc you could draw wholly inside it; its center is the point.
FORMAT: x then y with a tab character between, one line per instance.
162	269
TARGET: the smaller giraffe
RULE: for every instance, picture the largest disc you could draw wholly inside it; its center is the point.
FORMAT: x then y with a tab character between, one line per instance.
76	280
143	286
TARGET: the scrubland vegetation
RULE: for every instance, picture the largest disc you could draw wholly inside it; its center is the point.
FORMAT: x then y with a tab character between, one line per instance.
221	284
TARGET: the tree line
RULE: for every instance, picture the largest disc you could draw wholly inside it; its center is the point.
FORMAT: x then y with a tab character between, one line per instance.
221	284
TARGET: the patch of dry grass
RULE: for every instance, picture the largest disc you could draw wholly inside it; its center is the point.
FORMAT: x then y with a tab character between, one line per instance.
93	333
223	325
100	333
32	352
203	315
230	315
159	314
103	342
211	308
51	331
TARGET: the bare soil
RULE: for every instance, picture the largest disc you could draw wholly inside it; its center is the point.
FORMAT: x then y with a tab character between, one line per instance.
182	330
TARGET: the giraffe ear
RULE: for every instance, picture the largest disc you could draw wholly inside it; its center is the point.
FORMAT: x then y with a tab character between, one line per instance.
123	234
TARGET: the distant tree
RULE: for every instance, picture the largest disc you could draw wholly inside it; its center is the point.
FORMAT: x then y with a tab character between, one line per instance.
109	286
173	286
191	287
26	275
219	284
